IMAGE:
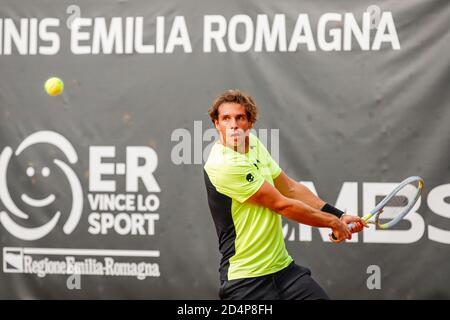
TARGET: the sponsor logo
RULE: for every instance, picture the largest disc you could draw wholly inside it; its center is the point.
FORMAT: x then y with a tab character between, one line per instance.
63	261
46	202
34	233
413	228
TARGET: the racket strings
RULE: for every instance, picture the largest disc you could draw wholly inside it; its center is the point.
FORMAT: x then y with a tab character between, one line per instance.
399	204
398	201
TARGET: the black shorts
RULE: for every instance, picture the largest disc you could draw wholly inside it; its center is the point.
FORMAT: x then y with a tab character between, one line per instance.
291	283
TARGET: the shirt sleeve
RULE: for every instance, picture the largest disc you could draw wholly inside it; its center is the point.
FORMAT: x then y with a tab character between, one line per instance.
274	168
238	181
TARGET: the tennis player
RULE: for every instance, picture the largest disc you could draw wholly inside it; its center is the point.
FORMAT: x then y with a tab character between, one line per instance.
247	194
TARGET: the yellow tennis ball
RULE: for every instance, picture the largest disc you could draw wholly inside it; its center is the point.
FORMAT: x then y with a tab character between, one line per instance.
54	86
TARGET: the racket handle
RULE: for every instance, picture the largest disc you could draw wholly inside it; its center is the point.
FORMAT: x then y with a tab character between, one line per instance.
350	226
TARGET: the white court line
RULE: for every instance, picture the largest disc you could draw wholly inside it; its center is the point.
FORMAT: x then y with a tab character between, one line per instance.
91	252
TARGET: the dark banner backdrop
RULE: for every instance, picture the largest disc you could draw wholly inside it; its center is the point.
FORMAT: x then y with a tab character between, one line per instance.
101	188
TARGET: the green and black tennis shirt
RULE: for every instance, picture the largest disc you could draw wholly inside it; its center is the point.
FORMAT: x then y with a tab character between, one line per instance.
250	236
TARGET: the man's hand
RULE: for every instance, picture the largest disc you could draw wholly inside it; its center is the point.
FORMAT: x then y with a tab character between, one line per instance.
340	231
357	223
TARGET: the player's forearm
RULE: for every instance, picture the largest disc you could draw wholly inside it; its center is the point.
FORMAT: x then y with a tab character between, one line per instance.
302	193
303	213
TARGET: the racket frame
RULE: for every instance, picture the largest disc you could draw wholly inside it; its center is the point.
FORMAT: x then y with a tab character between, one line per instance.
379	207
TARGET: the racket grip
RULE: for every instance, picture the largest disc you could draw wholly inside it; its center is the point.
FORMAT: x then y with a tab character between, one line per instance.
350	226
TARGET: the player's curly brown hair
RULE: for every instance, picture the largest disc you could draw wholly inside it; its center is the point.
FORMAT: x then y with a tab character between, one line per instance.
234	96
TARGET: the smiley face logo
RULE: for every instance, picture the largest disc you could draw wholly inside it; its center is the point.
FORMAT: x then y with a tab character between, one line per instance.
35	233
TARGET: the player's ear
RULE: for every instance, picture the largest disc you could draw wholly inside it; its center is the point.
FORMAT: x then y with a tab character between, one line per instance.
251	125
216	123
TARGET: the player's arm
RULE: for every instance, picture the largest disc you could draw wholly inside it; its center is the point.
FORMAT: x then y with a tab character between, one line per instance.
296	190
269	197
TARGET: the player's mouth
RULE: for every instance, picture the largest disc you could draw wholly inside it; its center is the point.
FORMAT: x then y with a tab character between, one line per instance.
38	203
235	135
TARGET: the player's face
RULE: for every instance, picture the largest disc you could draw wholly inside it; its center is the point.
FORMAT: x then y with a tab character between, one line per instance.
233	124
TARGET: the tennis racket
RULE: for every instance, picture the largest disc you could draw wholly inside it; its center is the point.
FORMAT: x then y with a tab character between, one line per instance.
396	205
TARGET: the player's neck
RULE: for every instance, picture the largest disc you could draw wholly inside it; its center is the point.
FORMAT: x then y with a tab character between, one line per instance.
240	148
